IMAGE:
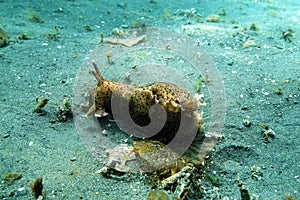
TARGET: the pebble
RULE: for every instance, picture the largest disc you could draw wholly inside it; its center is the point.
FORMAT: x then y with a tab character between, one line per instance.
30	143
21	189
213	18
247	122
73	159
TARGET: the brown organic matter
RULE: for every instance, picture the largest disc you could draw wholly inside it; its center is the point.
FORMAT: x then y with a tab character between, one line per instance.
37	187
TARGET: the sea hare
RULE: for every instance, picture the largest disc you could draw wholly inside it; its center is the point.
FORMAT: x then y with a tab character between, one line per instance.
177	103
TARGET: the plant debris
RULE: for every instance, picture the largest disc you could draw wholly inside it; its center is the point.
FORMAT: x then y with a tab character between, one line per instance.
4	40
55	35
118	157
39	105
288	35
125	42
9	178
37	187
65	112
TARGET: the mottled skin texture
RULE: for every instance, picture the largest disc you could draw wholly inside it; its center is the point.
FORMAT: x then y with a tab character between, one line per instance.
176	102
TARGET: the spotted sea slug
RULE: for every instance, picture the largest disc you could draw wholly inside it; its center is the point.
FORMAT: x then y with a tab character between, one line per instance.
176	101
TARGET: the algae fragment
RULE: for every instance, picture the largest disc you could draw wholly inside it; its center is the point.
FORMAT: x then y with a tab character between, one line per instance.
4	40
35	17
9	178
288	35
55	35
37	187
40	104
214	179
254	27
157	195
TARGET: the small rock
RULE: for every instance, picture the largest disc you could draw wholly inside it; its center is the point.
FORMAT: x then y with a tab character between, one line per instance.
247	122
269	133
73	159
249	43
21	189
213	18
30	143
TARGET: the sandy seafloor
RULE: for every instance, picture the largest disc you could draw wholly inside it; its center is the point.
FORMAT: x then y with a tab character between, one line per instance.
40	146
